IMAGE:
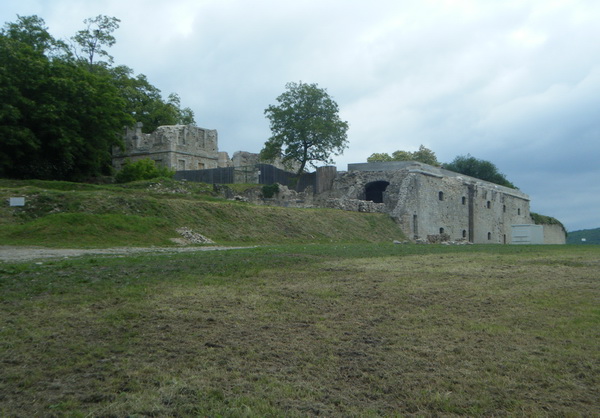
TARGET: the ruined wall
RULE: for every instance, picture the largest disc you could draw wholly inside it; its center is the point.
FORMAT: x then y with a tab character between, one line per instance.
178	147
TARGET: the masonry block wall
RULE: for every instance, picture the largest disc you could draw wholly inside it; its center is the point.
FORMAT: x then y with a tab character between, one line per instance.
178	147
427	200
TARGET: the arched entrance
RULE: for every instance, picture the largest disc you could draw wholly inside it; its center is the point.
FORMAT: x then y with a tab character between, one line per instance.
374	191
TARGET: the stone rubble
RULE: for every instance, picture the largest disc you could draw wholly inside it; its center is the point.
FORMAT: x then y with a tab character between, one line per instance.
191	237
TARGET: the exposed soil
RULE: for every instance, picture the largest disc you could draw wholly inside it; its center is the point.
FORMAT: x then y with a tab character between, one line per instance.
11	253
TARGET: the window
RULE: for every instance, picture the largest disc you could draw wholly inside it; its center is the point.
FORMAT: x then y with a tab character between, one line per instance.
488	204
464	233
200	166
181	164
441	231
489	235
503	208
519	211
464	200
441	195
415	226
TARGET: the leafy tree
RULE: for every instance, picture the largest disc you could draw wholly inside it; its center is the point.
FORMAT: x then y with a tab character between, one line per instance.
423	155
306	127
379	157
97	34
145	103
481	169
145	169
60	117
57	119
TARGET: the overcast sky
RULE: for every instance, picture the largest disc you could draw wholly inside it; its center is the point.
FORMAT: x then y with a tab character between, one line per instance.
515	82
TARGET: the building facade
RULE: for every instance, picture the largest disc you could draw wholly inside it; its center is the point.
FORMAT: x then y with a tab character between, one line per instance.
428	201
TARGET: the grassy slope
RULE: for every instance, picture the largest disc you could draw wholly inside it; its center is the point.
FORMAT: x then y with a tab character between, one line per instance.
79	215
334	330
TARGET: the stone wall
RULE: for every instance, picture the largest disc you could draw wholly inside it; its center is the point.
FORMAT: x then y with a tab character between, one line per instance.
427	200
554	234
178	147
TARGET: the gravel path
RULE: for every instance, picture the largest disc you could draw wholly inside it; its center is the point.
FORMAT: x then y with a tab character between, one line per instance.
12	253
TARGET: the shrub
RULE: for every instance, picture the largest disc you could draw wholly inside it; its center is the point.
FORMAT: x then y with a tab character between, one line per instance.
145	169
268	191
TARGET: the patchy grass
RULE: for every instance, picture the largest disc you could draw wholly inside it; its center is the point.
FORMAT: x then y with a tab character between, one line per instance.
334	330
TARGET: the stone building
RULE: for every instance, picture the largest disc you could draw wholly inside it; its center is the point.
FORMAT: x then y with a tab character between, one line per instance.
178	147
430	201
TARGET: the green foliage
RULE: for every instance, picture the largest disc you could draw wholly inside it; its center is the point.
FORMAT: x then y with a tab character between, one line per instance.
270	190
481	169
423	155
545	220
145	169
144	101
306	127
60	117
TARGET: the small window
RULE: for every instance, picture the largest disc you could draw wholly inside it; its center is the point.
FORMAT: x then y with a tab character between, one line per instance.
464	200
519	211
489	235
488	204
441	195
464	233
181	164
503	208
441	231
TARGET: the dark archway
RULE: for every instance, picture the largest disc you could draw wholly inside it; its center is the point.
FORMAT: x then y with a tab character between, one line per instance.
374	191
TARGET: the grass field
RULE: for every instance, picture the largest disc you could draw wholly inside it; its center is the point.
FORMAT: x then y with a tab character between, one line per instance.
302	330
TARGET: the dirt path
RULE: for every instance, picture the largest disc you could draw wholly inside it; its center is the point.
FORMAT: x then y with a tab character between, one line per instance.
12	253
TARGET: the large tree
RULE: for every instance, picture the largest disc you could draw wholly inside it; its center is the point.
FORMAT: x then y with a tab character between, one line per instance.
145	103
481	169
58	120
61	114
306	127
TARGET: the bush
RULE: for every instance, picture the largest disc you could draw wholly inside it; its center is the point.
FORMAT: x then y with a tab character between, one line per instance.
145	169
270	190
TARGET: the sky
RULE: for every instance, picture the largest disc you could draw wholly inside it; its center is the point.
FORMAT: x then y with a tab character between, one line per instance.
514	82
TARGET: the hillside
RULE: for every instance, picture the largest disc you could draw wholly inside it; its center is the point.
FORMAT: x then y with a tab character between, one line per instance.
64	214
591	236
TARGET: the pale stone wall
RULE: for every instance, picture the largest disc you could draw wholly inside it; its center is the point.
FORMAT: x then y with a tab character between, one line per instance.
554	234
178	147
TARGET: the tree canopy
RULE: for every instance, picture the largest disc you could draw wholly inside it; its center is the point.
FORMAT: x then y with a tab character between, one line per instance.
423	155
481	169
306	127
60	114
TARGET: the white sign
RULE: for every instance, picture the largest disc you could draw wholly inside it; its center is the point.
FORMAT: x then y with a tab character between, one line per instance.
17	201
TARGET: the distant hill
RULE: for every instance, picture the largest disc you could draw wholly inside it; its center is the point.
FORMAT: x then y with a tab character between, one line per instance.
591	236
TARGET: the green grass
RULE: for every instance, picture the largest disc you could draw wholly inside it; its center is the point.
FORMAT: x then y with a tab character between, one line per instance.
59	214
297	330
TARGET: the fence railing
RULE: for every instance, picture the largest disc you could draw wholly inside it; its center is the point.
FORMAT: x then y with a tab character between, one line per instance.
258	173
